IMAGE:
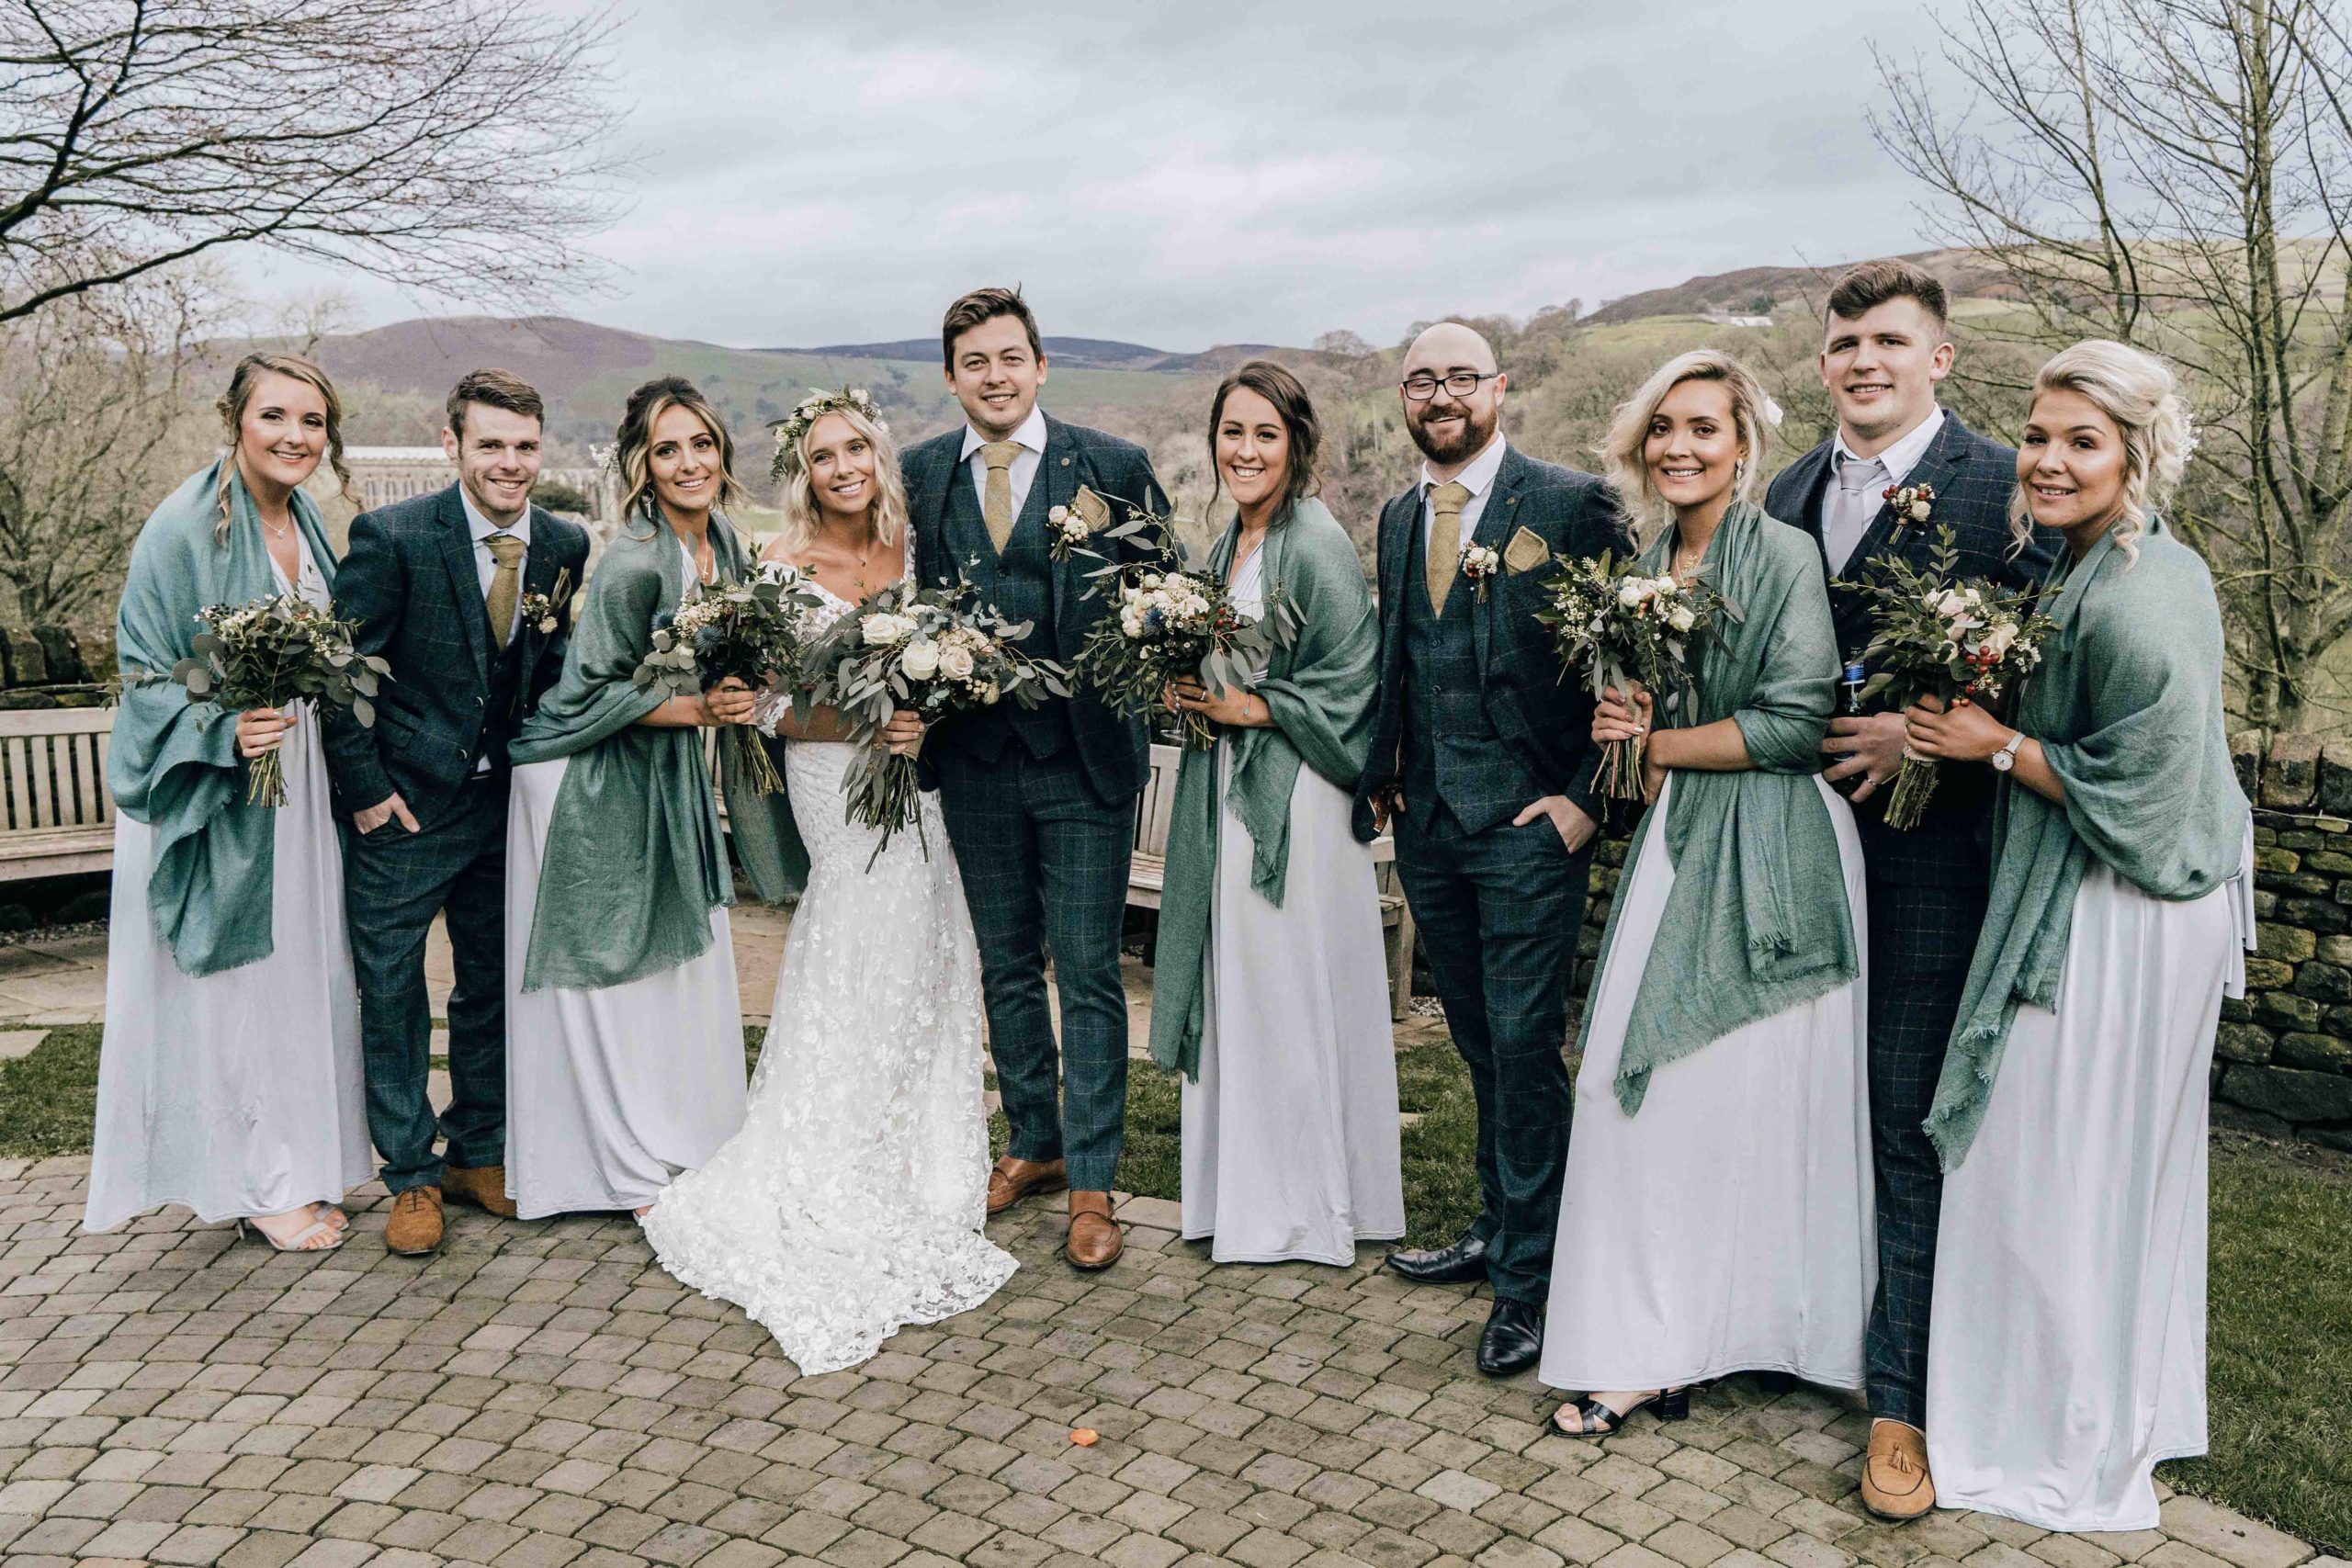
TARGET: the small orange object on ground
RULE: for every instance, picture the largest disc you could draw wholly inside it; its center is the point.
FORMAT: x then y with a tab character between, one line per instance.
1085	1436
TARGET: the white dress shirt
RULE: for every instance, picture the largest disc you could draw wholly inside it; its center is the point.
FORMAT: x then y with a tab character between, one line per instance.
1479	478
1847	516
1031	437
486	564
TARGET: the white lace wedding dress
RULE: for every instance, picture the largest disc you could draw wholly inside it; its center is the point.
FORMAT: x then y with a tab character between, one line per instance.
851	1205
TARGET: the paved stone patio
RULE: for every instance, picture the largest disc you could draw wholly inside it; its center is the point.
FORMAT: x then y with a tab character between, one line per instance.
541	1396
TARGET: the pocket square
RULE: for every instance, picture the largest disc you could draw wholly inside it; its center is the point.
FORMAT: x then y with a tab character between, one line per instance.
1093	508
1526	551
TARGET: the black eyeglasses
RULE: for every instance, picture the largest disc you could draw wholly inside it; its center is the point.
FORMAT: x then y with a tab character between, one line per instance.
1460	384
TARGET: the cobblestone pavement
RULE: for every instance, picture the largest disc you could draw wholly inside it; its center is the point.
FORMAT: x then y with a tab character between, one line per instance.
541	1396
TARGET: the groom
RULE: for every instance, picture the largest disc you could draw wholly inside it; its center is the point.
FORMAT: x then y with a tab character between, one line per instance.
1481	758
436	584
1040	803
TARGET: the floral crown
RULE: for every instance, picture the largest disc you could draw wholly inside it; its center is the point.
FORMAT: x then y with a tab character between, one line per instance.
793	429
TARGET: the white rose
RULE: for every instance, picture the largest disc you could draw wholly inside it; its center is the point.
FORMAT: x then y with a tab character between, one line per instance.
955	663
1918	512
1680	618
1131	620
1635	591
921	658
885	629
1999	639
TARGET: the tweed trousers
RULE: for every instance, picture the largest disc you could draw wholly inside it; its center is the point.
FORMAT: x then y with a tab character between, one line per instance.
1922	938
1045	864
394	883
1498	912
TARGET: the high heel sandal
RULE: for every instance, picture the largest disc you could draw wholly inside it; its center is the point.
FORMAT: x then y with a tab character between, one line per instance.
300	1240
1595	1419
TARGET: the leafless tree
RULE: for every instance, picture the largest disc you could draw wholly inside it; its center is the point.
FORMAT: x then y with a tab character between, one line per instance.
447	145
2173	173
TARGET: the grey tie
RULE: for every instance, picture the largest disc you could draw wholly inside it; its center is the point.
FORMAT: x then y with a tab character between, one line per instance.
1860	480
1855	475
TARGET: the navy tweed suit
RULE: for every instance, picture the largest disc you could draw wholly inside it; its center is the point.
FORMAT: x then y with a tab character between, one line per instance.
1927	885
1041	806
409	581
1475	723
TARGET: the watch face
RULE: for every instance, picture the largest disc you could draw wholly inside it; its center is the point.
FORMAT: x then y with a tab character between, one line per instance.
2004	761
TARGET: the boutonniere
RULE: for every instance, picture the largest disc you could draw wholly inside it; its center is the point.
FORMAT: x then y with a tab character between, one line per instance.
1912	503
1479	563
540	610
1072	526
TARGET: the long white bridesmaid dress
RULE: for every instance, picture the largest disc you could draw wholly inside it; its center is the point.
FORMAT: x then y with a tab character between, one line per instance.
238	1093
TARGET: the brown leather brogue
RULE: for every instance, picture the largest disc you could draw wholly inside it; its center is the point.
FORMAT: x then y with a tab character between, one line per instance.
1896	1482
414	1228
1095	1238
1013	1180
483	1186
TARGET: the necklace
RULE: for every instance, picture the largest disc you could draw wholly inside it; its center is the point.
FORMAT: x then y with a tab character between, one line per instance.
278	532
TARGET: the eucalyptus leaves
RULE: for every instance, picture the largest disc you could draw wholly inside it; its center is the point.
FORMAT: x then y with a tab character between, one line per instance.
272	653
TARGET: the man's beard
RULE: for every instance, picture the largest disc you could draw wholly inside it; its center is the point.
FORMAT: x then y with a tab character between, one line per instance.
1473	440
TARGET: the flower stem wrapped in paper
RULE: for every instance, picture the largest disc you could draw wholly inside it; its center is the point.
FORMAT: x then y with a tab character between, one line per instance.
272	653
1613	625
1936	635
749	631
1172	622
932	651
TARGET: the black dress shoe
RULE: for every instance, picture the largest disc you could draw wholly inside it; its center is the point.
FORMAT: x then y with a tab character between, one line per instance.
1514	1338
1465	1260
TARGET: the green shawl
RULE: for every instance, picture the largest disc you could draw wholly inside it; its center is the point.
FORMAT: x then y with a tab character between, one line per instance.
1321	690
2127	705
635	860
1758	920
172	763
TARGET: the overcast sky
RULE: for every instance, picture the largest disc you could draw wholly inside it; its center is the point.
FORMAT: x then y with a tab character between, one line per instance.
1204	172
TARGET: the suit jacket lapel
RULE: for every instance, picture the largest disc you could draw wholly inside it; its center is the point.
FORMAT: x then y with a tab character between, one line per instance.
465	581
1810	474
1058	472
1496	521
1891	535
539	569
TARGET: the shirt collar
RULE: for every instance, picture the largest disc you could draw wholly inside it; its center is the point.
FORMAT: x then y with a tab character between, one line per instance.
483	527
1480	475
1903	455
1031	434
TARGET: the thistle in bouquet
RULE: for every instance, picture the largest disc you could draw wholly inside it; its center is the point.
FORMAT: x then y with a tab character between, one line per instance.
1935	633
931	652
1171	624
1615	625
748	631
273	652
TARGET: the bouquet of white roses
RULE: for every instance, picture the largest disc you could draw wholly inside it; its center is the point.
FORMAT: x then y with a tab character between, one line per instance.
272	653
747	630
933	651
1617	625
1936	635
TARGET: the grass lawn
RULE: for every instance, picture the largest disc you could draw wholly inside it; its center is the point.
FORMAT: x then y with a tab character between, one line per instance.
2279	1340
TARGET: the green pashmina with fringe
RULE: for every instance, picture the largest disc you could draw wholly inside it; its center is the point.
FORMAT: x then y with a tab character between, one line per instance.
2127	706
172	763
1321	690
1756	922
634	858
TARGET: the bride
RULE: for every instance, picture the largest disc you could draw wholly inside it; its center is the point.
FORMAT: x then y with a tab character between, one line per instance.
851	1203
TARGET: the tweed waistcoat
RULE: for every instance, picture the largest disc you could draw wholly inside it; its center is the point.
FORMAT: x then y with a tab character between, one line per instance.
1020	584
1451	750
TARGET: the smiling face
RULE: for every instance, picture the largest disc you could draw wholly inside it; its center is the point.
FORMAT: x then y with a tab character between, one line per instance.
841	468
1693	449
995	375
683	457
1252	450
1881	369
2071	465
498	460
282	433
1451	428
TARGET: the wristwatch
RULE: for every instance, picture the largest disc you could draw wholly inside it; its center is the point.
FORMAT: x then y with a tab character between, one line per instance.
2007	757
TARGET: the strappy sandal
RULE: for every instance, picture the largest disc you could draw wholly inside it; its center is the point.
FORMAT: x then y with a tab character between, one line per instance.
303	1240
1594	1419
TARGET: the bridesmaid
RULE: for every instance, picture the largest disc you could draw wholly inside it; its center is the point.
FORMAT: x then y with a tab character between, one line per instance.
625	1034
1717	1212
1269	992
229	1079
2066	1349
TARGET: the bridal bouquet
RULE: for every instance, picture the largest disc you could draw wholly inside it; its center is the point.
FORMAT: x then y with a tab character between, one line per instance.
1936	635
1170	624
935	651
1619	626
272	653
749	630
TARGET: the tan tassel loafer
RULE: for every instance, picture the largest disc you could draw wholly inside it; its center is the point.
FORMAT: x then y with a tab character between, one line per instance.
1095	1238
1896	1482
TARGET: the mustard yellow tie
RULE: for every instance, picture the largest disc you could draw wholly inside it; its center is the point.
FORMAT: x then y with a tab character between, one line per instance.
1445	540
995	497
505	583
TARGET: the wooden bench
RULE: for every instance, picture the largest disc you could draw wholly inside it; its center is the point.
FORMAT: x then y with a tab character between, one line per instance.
59	819
1149	868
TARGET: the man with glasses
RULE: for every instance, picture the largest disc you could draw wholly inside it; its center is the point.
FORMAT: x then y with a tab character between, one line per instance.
1482	760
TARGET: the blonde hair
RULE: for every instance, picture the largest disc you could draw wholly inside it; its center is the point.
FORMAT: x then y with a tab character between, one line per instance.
633	442
234	402
1628	472
890	509
2141	395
